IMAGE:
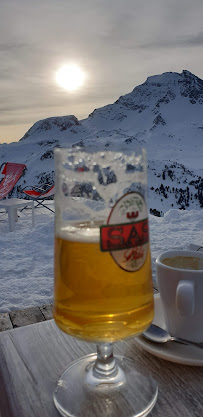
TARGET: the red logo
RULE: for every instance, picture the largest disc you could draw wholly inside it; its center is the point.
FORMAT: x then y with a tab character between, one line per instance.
123	236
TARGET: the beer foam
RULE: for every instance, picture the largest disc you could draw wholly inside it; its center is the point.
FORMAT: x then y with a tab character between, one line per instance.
80	233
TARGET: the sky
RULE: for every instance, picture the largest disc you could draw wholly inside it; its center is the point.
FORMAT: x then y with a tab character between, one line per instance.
117	44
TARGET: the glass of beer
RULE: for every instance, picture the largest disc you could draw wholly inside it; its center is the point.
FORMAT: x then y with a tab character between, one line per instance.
103	283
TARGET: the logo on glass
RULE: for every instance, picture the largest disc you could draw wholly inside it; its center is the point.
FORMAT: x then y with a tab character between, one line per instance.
126	234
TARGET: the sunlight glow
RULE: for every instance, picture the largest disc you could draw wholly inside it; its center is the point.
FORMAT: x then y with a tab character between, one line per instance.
70	77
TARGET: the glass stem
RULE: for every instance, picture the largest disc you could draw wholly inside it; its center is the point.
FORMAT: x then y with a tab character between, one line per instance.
105	365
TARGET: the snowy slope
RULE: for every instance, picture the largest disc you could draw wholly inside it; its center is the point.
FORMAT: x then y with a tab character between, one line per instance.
164	114
29	271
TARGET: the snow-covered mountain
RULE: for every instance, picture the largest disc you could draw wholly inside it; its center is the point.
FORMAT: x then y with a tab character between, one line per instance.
165	114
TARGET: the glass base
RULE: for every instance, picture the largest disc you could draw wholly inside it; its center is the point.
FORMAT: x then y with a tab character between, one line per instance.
80	393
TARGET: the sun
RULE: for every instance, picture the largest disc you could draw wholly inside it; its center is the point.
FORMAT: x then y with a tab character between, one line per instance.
70	77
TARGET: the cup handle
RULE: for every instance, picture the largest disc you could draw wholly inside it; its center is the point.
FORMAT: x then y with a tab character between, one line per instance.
185	298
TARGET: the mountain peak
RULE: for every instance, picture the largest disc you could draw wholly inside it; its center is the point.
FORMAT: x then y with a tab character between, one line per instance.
188	84
163	88
172	77
52	123
164	114
165	78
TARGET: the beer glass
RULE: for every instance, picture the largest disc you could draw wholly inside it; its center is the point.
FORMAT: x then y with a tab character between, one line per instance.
103	285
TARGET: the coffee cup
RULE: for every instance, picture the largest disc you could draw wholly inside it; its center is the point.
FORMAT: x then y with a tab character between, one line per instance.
180	283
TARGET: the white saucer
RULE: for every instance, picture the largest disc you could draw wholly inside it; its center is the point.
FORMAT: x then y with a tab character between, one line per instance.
171	351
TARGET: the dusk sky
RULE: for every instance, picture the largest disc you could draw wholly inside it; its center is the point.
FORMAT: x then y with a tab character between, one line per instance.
117	44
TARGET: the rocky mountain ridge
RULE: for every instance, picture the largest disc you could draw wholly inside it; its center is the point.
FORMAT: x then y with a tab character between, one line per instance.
164	114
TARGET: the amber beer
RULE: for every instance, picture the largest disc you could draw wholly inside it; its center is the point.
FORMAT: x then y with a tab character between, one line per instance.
94	298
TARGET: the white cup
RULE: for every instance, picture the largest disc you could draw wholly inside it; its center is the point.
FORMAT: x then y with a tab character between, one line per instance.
181	292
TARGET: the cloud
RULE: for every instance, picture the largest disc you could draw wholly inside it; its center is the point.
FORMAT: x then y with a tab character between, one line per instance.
179	42
12	47
195	40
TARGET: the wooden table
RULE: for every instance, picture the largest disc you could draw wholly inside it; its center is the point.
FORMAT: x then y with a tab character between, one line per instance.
33	357
11	205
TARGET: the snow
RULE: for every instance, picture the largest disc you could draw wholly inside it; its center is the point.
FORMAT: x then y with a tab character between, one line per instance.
165	115
26	262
